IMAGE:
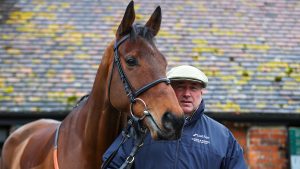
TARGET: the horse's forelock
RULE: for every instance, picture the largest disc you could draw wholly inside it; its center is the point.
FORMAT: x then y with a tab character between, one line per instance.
139	30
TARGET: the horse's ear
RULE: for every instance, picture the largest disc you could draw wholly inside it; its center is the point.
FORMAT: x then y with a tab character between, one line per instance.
154	22
127	21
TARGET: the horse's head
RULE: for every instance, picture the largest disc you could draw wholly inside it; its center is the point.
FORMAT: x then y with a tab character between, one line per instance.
143	84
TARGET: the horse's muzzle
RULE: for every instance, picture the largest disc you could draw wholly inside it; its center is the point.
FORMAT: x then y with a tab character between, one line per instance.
172	127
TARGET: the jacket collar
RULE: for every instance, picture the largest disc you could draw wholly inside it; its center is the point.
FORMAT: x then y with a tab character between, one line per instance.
197	114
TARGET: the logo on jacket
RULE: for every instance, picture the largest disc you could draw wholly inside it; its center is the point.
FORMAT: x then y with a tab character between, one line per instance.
201	138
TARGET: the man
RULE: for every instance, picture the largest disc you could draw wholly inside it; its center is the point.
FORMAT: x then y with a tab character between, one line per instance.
204	144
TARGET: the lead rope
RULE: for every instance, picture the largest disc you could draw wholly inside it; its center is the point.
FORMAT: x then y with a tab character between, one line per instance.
126	135
55	158
139	143
133	129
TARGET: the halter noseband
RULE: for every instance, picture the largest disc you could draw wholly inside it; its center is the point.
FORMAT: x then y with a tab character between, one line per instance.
132	95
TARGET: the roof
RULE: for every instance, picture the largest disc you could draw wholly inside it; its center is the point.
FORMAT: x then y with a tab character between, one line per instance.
50	50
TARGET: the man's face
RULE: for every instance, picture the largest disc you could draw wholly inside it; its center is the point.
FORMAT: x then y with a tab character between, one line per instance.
189	95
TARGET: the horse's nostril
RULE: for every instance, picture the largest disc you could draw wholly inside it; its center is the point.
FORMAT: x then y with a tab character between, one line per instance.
171	122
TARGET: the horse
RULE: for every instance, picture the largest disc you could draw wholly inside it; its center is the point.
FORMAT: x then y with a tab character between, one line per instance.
130	79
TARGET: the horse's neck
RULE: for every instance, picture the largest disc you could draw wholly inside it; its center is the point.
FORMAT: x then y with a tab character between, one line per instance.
96	123
101	115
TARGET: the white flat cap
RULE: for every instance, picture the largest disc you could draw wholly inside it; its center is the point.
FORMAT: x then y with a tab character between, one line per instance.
186	72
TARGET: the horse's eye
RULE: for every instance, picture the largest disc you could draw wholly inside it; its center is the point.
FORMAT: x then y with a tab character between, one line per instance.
131	61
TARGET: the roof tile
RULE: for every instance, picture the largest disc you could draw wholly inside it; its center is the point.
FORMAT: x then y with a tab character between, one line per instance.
50	50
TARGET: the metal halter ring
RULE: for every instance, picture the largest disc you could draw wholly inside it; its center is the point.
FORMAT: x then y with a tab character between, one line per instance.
130	159
146	112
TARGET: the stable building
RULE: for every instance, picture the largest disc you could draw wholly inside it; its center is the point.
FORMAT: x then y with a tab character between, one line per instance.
50	51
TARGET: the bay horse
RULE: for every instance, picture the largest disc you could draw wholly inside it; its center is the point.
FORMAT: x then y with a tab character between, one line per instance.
131	78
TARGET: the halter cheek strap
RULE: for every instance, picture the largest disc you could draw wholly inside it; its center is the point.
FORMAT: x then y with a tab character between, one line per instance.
127	86
132	95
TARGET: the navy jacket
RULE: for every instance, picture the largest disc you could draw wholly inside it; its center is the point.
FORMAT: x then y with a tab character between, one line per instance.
204	144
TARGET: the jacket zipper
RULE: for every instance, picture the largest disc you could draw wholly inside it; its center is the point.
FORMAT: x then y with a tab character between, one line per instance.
178	143
177	147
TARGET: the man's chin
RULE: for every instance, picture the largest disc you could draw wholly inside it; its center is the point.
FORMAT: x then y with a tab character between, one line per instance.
187	110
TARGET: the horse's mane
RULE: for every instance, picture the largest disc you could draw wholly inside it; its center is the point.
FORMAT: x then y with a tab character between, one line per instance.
81	100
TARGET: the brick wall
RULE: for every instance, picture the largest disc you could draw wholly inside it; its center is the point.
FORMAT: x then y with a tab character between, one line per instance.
239	130
265	147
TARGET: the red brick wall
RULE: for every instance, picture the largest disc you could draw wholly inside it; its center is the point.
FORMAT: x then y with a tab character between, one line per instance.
239	130
265	147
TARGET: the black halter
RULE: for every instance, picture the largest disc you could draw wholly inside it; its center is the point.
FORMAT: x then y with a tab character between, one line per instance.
127	86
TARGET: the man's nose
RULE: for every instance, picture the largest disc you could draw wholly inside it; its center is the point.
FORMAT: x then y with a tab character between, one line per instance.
187	92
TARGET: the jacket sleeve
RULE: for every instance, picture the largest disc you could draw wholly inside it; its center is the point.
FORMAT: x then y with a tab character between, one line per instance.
234	158
122	153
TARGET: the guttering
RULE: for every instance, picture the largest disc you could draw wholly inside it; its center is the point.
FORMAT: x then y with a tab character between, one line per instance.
289	119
